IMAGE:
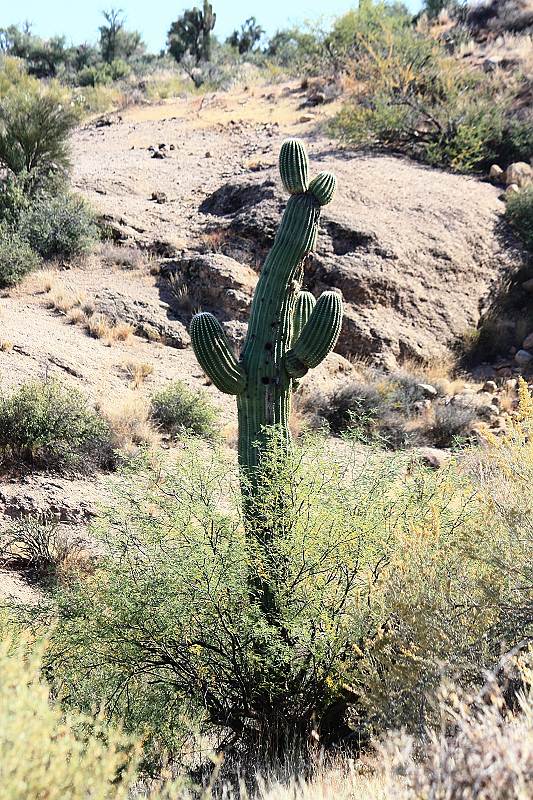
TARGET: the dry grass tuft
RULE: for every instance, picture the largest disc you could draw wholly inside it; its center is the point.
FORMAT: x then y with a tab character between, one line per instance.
130	424
63	300
125	256
137	372
44	281
6	346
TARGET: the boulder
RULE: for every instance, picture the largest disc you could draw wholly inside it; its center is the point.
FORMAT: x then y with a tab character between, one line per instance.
519	173
154	322
497	174
523	358
218	282
527	344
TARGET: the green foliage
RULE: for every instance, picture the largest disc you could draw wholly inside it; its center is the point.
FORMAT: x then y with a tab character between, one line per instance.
65	757
180	411
16	257
191	34
42	57
34	130
116	42
48	426
519	212
384	579
413	97
247	38
60	226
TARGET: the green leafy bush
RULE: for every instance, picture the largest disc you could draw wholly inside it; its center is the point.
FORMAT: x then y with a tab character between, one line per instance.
385	579
519	212
413	97
60	226
16	257
35	125
46	425
179	410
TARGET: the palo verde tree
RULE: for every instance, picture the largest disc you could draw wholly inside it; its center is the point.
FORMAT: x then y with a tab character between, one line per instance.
115	41
288	332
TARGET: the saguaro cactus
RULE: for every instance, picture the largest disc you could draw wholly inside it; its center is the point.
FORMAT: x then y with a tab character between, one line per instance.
288	332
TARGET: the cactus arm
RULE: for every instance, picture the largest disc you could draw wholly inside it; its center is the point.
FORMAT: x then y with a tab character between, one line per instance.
214	354
318	337
304	306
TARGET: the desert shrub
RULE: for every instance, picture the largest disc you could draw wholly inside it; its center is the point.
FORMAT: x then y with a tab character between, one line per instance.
452	425
377	408
178	410
46	425
519	212
34	129
483	749
71	757
386	577
40	549
16	257
411	96
59	226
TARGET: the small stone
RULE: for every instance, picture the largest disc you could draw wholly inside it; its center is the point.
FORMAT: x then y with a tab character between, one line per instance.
162	146
512	189
496	174
172	147
523	358
490	387
305	118
159	154
527	344
427	389
208	154
159	197
432	456
519	173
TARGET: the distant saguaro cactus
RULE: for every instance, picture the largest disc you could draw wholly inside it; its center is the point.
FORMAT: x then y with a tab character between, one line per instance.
288	332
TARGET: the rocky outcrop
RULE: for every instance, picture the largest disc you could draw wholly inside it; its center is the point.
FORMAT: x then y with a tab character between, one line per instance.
154	322
415	256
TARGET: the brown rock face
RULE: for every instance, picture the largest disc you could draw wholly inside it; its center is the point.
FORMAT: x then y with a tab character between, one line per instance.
414	251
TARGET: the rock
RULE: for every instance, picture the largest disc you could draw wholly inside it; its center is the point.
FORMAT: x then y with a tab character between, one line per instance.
316	99
421	405
432	456
483	372
149	321
219	282
497	174
528	285
413	279
523	358
519	173
305	118
527	344
159	197
208	154
427	389
159	154
490	387
512	189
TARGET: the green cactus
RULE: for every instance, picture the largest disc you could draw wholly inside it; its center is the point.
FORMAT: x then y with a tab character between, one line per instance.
208	19
288	332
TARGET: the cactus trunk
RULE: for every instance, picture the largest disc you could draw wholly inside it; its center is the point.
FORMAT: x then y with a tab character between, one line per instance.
287	332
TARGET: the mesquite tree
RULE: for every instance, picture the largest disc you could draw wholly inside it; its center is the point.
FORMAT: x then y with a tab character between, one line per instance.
288	331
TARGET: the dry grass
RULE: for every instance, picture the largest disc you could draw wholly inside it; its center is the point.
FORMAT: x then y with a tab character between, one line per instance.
6	346
63	300
137	372
76	316
126	256
43	281
130	424
100	327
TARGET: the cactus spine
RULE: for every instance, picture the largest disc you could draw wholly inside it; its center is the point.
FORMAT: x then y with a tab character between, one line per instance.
288	332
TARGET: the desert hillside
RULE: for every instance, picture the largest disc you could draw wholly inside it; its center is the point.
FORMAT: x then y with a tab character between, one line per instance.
266	407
